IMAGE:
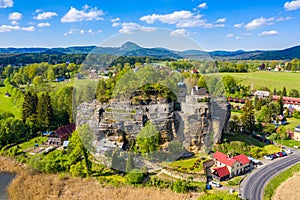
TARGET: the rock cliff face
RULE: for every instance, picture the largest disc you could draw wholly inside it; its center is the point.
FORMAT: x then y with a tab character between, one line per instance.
197	125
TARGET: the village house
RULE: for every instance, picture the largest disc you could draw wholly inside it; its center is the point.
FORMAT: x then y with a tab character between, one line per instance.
227	167
58	136
296	135
289	102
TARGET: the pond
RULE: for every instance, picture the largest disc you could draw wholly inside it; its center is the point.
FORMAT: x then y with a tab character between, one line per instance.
5	179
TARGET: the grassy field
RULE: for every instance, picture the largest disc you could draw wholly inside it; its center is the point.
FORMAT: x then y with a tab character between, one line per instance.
292	123
278	180
188	164
271	80
6	105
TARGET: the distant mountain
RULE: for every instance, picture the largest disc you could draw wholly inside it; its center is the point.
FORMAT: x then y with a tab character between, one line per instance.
132	49
285	54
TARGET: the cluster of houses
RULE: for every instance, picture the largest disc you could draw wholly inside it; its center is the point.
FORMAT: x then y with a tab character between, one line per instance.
227	167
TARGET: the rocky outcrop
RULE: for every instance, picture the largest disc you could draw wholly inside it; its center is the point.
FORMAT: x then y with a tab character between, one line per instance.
197	125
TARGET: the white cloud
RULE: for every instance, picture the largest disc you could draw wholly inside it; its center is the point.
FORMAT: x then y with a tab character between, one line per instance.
134	27
179	32
202	5
259	22
182	19
229	35
6	3
272	32
191	23
81	31
238	37
44	24
87	14
45	15
221	20
172	18
15	16
115	22
8	28
14	22
279	19
38	10
238	25
292	5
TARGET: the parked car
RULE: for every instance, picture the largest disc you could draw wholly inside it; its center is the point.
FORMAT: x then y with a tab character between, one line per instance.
215	184
279	154
268	157
284	153
288	151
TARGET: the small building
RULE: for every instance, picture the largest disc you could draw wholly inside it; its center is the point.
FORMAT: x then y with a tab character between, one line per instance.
61	134
262	94
297	133
227	167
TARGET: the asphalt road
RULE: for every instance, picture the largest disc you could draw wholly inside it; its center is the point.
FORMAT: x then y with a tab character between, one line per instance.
252	187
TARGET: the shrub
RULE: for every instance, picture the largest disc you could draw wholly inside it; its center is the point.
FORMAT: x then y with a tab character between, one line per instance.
135	176
180	186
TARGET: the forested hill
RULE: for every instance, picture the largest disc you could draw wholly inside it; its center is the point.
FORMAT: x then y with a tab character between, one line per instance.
78	53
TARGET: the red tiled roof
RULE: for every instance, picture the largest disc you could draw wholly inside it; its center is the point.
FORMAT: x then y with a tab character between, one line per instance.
292	100
223	158
222	171
242	159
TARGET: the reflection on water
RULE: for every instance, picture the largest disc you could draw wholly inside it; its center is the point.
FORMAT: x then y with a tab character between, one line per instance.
5	179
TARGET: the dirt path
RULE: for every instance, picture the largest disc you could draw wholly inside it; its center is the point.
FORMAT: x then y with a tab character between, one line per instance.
289	189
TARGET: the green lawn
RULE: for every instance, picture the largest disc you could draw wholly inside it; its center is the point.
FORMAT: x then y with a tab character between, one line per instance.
188	164
249	140
275	182
269	79
6	104
292	123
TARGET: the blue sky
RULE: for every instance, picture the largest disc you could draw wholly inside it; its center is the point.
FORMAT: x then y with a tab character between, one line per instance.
210	24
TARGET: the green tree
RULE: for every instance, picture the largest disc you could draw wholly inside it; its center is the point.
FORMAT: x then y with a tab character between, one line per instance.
294	93
44	111
180	186
234	124
135	176
281	103
79	147
284	92
29	107
148	139
248	118
201	83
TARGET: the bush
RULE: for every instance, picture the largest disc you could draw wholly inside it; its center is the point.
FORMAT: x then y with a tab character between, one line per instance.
180	186
135	176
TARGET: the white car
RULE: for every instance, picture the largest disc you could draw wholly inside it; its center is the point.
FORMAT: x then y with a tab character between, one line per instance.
268	157
288	151
215	184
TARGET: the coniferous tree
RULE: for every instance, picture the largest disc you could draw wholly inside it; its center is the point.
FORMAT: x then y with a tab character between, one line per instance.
284	92
29	106
248	118
44	111
280	102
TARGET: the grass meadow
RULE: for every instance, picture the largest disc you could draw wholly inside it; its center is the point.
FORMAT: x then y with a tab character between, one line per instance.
271	80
